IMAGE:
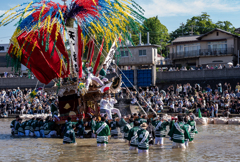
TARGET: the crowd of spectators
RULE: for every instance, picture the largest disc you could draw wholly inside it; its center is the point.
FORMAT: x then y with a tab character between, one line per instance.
210	101
207	67
18	101
11	75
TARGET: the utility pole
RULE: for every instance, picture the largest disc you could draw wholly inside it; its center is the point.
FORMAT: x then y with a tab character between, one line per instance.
182	27
65	2
192	32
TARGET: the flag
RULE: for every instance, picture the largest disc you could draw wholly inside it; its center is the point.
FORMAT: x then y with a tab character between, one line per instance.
89	44
199	113
80	51
98	58
105	88
92	53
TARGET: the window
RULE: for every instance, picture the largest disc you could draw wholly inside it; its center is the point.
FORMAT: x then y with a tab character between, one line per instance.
142	53
217	33
2	48
124	53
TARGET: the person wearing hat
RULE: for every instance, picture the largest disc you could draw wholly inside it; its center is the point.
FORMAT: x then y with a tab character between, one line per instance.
155	120
193	126
178	134
89	76
127	128
114	128
160	131
13	125
102	132
132	136
20	128
69	136
143	139
69	124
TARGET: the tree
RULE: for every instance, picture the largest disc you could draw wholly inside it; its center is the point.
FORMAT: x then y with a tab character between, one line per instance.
158	33
201	25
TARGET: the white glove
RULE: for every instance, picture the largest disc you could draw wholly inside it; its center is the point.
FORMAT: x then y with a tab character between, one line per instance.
77	119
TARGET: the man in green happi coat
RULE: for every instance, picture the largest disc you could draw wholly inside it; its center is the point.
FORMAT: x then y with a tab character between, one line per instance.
133	137
127	129
69	136
143	139
20	128
93	125
160	131
81	128
114	128
193	126
186	119
102	132
13	125
179	133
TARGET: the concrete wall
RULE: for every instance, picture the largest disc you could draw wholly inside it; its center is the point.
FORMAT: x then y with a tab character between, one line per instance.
136	59
21	82
197	75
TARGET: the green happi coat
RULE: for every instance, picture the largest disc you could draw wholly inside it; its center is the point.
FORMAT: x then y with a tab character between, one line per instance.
36	126
171	124
48	127
188	127
102	72
179	133
102	131
41	124
69	136
133	137
193	129
28	125
127	129
32	125
114	125
121	124
13	124
81	128
20	127
161	128
155	122
138	120
143	141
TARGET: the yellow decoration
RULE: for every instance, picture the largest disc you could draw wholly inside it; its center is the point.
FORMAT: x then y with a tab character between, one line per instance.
67	106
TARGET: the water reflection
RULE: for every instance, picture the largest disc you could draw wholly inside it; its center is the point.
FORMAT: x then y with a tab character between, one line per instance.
213	143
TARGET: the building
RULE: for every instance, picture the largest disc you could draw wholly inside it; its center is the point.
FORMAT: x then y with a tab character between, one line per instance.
5	64
3	59
141	60
215	47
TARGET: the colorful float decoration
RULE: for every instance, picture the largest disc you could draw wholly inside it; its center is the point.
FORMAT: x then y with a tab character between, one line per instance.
93	29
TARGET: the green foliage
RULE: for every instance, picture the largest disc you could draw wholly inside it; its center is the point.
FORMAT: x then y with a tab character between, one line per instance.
201	25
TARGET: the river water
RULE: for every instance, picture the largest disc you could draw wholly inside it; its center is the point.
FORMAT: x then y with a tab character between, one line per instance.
213	143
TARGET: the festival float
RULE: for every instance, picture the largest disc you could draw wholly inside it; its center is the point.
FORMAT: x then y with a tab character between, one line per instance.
93	29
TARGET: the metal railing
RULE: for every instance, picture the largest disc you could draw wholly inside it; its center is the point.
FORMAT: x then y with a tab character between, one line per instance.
202	52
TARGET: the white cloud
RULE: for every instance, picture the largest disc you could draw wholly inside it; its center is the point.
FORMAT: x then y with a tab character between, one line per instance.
165	8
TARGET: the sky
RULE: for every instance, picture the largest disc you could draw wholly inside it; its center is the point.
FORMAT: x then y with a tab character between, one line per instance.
170	12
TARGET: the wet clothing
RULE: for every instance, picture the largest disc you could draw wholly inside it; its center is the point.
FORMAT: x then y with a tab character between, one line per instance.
133	137
102	131
143	139
121	124
114	128
54	109
193	129
69	136
161	128
127	129
179	133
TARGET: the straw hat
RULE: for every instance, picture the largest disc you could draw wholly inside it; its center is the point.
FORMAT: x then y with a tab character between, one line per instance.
144	125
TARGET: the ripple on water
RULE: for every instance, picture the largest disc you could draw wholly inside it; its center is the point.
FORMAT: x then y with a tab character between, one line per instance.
213	143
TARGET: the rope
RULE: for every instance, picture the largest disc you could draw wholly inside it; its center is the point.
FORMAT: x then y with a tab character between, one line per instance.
37	84
123	75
